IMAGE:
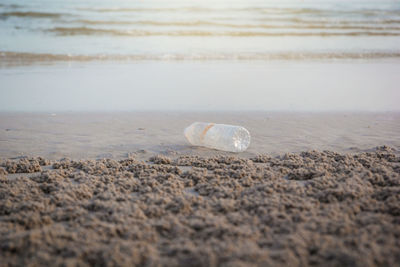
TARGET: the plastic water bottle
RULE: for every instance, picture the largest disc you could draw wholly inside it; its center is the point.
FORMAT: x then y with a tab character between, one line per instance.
218	136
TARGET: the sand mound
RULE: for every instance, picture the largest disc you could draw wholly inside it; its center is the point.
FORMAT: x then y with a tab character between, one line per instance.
312	208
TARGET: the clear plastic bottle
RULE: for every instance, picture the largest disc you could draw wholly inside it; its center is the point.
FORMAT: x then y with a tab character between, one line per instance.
218	136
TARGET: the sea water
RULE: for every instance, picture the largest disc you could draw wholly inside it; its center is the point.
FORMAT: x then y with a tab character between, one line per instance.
200	30
203	55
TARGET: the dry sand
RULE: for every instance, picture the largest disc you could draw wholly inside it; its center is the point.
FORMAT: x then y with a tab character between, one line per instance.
312	208
199	207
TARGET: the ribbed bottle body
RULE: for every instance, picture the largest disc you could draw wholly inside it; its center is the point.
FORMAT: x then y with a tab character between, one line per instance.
218	136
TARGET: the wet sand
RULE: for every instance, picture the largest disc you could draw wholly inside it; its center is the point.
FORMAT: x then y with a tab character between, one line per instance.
144	134
309	208
133	192
364	85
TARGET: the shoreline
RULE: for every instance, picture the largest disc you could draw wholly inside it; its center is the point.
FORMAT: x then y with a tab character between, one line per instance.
13	59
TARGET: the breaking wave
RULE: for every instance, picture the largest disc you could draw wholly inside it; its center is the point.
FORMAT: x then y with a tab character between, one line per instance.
19	58
260	10
180	33
30	14
321	25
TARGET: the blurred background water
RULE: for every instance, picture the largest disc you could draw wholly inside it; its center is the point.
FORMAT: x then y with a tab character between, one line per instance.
200	30
286	55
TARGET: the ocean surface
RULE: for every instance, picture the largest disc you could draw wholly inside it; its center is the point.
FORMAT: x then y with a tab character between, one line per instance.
48	30
121	55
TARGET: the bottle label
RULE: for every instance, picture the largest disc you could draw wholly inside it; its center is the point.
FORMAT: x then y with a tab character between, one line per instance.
203	134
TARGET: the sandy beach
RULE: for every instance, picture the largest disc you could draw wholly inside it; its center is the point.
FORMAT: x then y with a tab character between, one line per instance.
119	189
117	135
95	169
305	209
